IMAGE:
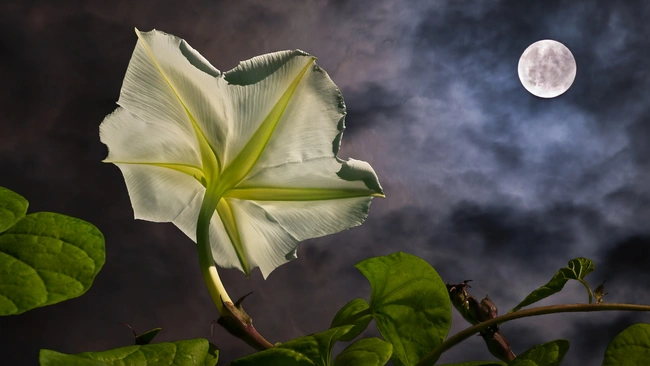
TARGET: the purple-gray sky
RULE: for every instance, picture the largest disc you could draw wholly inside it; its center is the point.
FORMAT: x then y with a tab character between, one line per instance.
483	180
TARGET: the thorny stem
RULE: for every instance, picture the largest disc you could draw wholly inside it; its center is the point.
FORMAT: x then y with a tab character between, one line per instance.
433	356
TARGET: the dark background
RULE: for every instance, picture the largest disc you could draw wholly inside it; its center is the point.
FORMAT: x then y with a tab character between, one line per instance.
483	180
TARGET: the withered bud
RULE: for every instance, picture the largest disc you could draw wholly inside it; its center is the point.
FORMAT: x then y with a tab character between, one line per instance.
487	309
466	304
476	312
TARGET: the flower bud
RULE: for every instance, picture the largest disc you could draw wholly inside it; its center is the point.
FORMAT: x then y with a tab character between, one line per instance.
487	309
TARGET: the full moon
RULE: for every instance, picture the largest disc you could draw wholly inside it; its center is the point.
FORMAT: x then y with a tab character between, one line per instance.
547	68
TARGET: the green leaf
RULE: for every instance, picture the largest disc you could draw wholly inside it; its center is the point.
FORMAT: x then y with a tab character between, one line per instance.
190	352
367	352
315	349
46	258
547	354
409	303
477	363
12	208
147	337
577	269
353	313
318	347
274	357
631	347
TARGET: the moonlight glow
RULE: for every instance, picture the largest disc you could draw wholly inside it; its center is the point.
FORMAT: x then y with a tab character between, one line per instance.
547	68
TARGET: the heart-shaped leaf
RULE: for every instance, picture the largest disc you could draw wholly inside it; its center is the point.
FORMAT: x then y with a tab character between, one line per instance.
315	349
46	258
631	347
477	363
367	352
12	208
409	303
577	269
190	352
356	313
547	354
275	357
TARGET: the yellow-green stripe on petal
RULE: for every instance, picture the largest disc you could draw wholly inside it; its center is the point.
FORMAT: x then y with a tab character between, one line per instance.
208	153
228	218
297	194
192	171
251	152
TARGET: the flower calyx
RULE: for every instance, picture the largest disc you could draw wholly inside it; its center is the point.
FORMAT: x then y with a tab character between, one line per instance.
238	323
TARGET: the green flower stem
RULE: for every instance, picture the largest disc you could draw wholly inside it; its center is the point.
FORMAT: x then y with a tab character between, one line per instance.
208	268
433	356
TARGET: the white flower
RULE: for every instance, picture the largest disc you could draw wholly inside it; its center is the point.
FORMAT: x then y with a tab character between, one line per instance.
259	142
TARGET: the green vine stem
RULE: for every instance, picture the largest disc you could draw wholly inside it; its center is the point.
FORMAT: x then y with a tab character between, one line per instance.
433	356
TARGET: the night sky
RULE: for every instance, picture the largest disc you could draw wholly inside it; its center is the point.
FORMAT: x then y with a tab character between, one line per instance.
483	180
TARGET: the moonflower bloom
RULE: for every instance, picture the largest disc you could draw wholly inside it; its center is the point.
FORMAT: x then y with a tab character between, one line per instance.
253	148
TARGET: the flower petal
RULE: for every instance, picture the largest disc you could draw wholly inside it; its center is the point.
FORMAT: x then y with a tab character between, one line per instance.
304	200
160	194
260	107
319	173
131	140
310	123
312	219
267	244
169	84
272	230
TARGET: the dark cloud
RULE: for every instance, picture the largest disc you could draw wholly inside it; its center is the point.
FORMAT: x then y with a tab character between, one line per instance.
626	262
505	233
364	104
638	133
508	154
591	335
